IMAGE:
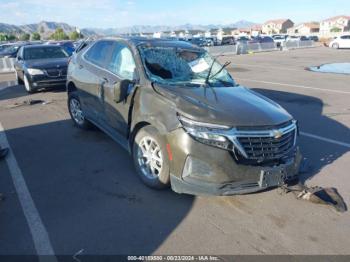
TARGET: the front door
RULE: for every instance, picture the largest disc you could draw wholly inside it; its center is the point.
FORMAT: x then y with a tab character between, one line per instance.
120	66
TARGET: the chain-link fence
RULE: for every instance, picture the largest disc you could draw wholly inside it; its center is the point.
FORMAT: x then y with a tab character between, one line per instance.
7	65
298	44
246	48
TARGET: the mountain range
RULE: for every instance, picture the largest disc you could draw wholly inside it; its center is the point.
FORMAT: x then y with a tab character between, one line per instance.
47	28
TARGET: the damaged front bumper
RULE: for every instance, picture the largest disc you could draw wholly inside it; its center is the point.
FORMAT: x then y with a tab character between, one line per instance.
212	171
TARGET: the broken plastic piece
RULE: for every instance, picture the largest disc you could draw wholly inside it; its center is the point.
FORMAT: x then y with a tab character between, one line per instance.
318	195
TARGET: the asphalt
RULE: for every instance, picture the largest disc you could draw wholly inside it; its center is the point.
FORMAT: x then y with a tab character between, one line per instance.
90	200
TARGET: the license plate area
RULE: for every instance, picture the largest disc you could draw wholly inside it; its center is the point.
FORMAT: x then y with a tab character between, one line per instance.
272	177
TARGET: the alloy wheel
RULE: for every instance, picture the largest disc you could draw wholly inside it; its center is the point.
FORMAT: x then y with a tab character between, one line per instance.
76	111
150	158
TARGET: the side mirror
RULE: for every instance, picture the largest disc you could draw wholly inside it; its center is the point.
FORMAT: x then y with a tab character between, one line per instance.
19	58
121	90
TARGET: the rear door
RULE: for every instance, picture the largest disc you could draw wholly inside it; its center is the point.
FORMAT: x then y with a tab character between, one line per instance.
91	78
345	41
120	66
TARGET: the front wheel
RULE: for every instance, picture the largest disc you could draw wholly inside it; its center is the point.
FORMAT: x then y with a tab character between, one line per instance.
150	158
28	85
76	112
335	46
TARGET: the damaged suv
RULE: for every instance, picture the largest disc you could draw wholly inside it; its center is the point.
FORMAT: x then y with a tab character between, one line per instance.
182	116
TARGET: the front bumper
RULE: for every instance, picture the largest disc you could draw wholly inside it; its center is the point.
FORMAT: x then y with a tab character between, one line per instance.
43	81
207	170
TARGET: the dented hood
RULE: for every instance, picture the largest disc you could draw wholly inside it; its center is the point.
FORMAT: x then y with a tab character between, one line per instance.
232	106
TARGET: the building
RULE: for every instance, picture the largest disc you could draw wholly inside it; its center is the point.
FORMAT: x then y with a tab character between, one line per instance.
305	29
256	30
335	24
278	26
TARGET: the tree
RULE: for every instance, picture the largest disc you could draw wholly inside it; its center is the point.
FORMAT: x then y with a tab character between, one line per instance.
59	35
335	30
36	36
24	37
75	36
11	38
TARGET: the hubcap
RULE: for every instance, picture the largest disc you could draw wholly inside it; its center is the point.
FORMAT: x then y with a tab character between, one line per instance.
150	157
76	111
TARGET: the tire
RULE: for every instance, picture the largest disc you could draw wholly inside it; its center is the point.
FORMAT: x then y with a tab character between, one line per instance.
335	46
155	174
76	113
28	85
19	80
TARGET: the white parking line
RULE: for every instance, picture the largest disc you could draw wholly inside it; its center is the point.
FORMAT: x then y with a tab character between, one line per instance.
265	67
39	234
325	139
297	86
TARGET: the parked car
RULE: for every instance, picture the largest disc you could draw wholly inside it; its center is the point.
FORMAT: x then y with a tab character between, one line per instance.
199	41
313	38
279	39
261	40
228	40
68	46
182	117
10	51
293	38
41	66
340	42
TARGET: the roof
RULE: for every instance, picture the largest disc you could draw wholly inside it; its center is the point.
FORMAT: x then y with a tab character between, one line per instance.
311	25
335	18
135	41
276	21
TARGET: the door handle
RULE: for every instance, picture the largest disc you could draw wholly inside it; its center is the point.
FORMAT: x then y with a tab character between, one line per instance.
101	87
81	66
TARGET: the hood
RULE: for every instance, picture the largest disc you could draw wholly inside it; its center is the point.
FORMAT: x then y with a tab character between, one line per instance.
232	106
47	63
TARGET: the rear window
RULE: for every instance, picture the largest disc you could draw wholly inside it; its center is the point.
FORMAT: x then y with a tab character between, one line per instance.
44	52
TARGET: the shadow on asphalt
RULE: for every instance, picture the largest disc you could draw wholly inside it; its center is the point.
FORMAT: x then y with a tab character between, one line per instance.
308	111
17	91
88	193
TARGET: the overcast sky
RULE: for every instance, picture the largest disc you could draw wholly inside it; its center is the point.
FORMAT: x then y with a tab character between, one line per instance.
120	13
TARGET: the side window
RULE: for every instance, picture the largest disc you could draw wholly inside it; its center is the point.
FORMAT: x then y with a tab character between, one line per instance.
99	53
122	62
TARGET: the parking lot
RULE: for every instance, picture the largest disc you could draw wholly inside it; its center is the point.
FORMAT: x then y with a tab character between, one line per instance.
68	191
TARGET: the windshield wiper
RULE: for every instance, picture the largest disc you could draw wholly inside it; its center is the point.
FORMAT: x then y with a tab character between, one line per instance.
209	72
222	68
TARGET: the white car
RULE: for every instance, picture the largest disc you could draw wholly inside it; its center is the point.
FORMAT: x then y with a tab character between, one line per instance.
340	42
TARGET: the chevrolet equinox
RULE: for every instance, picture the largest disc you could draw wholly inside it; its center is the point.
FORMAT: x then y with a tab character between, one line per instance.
182	117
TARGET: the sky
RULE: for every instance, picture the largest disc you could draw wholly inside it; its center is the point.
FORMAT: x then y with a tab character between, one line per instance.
121	13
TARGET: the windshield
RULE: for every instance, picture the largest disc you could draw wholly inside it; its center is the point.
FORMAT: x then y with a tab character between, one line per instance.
172	65
10	49
44	52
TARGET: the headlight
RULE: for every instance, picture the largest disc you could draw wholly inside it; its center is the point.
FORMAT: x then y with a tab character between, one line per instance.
34	71
206	133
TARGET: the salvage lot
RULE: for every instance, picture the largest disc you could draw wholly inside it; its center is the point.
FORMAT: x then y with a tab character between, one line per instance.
89	200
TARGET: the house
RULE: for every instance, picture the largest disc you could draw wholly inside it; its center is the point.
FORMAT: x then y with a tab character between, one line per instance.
335	24
255	30
278	26
305	29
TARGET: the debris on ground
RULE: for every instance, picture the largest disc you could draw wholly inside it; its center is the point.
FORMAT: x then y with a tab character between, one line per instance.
318	195
30	102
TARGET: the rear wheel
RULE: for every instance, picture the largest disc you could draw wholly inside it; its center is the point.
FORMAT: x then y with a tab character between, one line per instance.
76	112
150	158
335	46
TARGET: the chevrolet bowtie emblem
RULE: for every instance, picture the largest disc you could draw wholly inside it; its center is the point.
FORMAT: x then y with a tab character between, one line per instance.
277	134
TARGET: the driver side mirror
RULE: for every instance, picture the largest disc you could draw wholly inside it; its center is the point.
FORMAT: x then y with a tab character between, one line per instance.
121	90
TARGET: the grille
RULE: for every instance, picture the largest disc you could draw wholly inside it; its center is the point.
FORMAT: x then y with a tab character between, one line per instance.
267	147
56	72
